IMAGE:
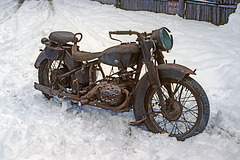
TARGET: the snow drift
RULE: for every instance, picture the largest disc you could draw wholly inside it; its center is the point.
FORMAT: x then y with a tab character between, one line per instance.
32	127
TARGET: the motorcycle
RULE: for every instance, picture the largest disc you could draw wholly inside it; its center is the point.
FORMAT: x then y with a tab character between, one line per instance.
165	99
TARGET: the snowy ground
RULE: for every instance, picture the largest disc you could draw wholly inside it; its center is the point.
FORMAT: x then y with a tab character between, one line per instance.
32	127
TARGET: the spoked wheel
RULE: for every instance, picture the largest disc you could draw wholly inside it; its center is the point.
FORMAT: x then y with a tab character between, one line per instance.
187	110
48	72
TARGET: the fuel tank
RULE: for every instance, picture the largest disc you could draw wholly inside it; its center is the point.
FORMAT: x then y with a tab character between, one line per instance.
126	54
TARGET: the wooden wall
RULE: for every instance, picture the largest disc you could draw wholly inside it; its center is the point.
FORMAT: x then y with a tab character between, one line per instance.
159	6
214	11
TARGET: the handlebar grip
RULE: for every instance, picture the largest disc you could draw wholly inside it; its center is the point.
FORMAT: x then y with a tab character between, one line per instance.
121	32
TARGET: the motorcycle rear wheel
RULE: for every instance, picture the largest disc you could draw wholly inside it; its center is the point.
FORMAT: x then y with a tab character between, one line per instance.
47	73
187	112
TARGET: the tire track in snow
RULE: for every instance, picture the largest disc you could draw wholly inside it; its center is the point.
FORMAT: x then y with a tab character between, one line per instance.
78	28
216	127
18	26
13	10
93	23
19	36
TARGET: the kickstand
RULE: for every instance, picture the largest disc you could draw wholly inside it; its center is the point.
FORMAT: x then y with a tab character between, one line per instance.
136	123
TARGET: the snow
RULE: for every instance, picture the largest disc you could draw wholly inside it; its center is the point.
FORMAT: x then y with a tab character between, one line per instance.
32	127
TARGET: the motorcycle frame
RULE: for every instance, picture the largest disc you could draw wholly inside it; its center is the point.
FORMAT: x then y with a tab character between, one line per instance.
61	52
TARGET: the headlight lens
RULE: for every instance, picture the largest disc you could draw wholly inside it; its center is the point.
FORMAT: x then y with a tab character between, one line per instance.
164	39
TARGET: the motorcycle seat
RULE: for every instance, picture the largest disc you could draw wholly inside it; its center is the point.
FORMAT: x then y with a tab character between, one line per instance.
61	37
80	56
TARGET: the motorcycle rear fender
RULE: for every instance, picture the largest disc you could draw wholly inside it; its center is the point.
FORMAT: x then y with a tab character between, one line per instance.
175	71
49	53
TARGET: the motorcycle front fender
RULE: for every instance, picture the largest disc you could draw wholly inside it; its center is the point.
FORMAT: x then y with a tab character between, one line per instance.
171	70
49	53
175	71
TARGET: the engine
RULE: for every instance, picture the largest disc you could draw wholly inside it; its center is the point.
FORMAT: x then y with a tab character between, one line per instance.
111	94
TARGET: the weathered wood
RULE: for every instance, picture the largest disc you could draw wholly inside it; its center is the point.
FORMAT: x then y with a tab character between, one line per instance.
214	11
181	7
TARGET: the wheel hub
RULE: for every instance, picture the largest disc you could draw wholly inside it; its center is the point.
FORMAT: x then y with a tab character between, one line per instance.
54	75
173	111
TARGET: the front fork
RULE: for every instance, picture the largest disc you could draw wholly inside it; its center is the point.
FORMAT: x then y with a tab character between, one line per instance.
152	70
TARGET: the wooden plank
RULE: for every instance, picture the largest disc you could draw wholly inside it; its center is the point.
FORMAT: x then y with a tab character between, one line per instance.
134	7
130	4
192	11
154	8
218	15
211	15
201	12
197	16
124	5
221	15
187	11
148	5
206	11
138	4
145	4
181	8
164	7
142	4
161	7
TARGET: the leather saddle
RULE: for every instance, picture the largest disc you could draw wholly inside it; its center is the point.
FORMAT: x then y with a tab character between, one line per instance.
63	37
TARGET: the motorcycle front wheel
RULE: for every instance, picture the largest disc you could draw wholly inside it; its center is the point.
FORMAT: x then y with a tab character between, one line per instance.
187	111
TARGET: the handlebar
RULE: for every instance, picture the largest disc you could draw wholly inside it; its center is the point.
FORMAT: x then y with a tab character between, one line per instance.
123	32
128	33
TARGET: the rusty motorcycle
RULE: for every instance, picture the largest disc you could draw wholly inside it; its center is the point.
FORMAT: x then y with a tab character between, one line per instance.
165	99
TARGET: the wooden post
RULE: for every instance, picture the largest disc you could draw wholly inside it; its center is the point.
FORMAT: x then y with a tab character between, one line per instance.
181	8
218	15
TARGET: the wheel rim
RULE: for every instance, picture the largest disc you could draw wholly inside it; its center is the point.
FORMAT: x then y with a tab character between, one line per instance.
182	113
52	68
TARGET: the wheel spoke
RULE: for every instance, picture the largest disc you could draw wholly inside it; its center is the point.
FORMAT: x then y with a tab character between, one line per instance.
195	114
161	124
156	98
188	124
173	129
52	66
175	90
164	90
180	94
165	128
176	128
193	109
187	97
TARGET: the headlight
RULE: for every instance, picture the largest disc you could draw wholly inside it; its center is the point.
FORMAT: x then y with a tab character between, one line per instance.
163	37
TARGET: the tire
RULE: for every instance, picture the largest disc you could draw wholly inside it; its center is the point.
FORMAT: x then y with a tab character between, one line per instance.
47	73
187	112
